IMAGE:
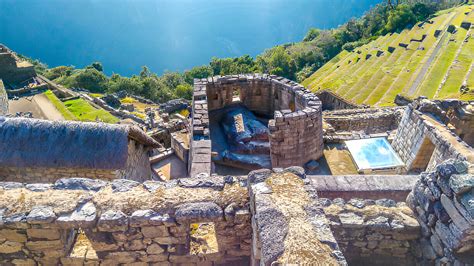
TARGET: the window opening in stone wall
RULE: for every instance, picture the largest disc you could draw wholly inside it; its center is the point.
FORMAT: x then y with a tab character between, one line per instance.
216	96
258	92
82	250
203	239
276	95
236	95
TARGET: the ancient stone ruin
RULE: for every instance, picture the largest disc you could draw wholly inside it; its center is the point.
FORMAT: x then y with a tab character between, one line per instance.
294	125
85	193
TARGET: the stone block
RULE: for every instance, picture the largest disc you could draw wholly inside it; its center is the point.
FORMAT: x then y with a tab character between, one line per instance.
13	235
83	217
461	183
44	245
50	234
155	231
8	247
113	220
453	212
155	249
198	212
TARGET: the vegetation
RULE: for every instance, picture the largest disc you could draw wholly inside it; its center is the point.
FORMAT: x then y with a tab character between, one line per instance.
433	66
296	61
59	106
86	112
79	109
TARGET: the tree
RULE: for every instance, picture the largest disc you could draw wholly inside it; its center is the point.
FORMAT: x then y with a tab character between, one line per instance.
184	91
90	79
312	34
96	65
198	72
400	18
60	71
145	72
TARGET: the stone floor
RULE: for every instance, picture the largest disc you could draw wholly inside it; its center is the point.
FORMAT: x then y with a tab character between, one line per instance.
339	160
171	167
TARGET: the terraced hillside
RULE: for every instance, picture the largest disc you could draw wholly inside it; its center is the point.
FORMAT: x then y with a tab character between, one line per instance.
434	58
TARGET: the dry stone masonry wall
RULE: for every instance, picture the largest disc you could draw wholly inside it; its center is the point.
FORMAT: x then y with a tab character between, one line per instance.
374	232
419	133
3	99
289	225
124	220
297	123
366	121
443	203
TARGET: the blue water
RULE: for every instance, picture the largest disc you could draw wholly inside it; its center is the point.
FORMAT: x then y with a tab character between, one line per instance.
165	35
374	153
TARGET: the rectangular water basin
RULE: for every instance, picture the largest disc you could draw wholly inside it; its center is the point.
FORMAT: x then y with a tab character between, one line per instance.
373	154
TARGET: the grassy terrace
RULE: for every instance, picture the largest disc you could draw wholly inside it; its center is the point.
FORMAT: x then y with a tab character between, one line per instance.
435	67
80	110
86	112
60	106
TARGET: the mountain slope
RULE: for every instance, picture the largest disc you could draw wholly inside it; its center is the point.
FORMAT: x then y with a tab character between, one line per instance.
430	59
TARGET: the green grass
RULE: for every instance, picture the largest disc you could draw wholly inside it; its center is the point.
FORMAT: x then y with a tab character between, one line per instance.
60	106
86	112
445	59
378	80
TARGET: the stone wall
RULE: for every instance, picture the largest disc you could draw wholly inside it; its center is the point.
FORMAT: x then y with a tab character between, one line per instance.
12	71
374	232
369	121
395	187
137	166
289	225
180	145
297	123
442	201
3	99
125	221
417	132
332	101
49	175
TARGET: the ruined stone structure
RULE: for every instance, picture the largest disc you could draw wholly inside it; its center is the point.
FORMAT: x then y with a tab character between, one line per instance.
125	221
44	151
14	71
3	99
422	142
332	101
442	201
296	125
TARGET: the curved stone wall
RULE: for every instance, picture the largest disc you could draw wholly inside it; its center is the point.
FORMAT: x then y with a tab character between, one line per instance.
296	127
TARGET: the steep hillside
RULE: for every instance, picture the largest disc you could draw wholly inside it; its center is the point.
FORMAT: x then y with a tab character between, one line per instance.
434	59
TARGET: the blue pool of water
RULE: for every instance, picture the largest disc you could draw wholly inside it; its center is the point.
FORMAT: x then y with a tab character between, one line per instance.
375	153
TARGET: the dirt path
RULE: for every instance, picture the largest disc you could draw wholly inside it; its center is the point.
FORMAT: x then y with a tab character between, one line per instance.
47	107
38	105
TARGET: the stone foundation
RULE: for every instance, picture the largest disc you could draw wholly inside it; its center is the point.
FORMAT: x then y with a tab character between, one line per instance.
442	201
124	221
374	232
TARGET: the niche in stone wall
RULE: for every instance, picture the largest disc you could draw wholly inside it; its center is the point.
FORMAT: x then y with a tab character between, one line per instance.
236	95
81	251
203	239
423	156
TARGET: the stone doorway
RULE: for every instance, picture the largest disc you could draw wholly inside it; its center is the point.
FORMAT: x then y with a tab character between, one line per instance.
423	156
